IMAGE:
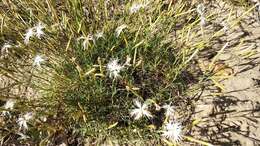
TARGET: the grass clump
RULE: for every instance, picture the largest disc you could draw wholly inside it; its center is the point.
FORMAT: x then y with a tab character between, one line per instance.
97	71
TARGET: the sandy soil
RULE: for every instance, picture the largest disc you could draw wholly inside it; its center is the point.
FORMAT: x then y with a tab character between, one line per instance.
231	117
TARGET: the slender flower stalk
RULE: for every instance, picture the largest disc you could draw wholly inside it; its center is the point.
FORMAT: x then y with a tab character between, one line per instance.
141	110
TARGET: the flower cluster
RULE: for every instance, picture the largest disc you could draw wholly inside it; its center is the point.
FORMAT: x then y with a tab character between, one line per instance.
172	130
21	121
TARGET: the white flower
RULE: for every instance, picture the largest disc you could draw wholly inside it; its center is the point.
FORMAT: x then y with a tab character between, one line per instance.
5	49
128	60
99	34
8	105
120	29
169	110
255	1
86	40
135	8
90	37
157	107
201	9
28	116
258	6
203	21
140	111
173	131
225	26
39	32
43	118
29	33
37	61
22	121
36	30
114	68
